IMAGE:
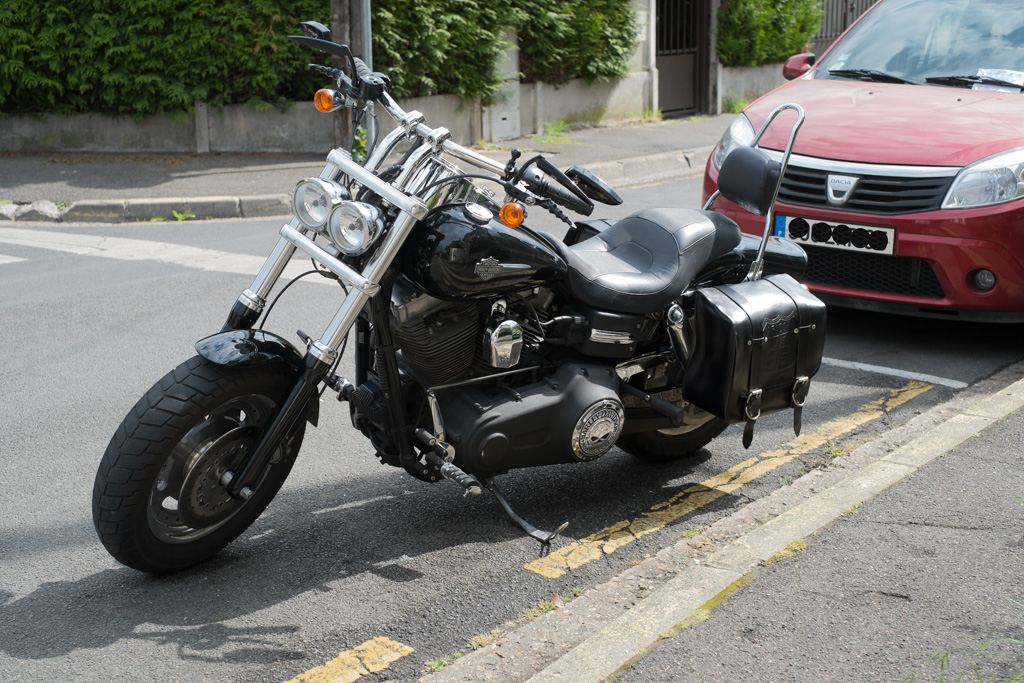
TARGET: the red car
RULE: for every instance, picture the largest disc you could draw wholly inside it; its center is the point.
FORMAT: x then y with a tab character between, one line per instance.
906	186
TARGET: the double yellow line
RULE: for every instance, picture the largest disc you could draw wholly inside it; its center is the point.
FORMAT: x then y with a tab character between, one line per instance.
692	498
379	653
370	657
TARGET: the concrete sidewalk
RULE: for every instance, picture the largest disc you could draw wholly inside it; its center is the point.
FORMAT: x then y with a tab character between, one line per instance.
906	548
134	187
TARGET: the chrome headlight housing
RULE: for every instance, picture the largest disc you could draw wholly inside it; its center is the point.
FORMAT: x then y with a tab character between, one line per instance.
994	180
313	200
740	132
353	227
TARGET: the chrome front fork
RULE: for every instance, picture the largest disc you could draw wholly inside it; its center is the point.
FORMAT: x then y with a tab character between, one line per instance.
322	353
363	285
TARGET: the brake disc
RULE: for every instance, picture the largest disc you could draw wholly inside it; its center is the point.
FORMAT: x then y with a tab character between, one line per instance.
203	500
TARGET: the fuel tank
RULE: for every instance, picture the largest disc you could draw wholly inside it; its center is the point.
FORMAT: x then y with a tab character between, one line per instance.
462	252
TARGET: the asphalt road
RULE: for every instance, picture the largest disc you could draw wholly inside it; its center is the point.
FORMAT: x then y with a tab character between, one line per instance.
350	551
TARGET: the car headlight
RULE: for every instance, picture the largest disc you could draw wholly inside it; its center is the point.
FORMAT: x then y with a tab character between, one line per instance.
993	180
740	132
313	199
353	226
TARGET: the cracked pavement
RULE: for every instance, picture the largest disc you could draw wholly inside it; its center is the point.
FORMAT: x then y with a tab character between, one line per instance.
930	568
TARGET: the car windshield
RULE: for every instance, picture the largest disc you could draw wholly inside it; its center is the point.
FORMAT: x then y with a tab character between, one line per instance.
937	42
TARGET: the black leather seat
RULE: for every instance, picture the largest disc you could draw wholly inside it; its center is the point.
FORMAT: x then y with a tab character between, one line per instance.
643	262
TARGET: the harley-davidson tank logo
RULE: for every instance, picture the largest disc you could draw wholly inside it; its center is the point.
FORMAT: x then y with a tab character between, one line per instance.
490	267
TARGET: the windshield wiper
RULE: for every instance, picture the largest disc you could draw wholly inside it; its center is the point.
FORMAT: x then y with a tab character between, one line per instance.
870	75
968	81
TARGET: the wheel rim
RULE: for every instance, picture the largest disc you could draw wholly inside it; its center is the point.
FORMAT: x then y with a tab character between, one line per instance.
186	501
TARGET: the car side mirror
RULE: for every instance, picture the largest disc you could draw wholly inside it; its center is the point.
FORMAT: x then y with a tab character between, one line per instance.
797	65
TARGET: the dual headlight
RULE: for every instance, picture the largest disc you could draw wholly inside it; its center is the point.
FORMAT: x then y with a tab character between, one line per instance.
325	207
993	180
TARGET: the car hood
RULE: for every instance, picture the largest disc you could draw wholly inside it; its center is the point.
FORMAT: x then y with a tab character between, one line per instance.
894	123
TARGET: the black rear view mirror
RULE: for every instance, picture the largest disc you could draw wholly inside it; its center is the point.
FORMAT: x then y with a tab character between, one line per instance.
592	186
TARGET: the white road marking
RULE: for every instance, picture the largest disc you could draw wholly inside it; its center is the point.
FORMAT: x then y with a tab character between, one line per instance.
9	259
893	372
126	249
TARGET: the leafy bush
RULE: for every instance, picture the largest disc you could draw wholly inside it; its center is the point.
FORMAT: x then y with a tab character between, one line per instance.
754	32
440	46
147	56
589	39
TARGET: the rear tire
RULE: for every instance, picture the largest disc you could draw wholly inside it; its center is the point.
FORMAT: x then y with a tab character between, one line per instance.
157	502
666	445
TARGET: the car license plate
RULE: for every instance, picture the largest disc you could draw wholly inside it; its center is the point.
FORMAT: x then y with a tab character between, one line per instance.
869	238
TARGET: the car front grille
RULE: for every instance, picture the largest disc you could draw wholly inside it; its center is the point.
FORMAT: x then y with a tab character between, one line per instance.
874	194
871	272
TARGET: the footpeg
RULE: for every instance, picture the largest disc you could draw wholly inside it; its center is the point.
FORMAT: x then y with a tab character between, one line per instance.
439	454
545	537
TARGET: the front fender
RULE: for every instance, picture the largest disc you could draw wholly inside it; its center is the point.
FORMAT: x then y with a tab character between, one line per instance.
249	348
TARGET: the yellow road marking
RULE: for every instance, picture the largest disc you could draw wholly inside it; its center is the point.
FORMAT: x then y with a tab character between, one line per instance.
613	537
370	657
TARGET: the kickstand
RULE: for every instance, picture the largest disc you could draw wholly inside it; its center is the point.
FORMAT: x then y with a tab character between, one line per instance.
545	537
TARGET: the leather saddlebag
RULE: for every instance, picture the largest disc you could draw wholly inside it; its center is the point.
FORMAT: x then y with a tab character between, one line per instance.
756	347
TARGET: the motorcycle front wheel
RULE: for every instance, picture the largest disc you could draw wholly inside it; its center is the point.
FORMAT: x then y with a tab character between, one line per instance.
158	504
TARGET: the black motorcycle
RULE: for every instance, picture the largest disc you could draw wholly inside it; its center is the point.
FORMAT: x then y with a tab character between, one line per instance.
480	345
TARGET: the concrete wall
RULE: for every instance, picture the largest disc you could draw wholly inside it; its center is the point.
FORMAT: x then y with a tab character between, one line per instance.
750	82
525	108
300	128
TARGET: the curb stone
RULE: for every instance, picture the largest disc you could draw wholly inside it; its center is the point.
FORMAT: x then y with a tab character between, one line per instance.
603	631
622	173
141	210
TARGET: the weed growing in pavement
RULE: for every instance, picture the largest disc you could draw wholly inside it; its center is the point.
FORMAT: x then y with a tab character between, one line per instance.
182	216
691	532
438	664
790	550
734	105
556	132
652	116
945	673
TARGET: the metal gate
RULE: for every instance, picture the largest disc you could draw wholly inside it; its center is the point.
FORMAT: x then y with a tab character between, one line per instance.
683	31
836	18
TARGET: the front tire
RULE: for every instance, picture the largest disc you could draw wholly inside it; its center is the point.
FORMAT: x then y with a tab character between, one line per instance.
157	504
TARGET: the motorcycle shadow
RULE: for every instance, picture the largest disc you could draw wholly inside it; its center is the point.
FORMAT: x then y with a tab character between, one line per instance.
327	540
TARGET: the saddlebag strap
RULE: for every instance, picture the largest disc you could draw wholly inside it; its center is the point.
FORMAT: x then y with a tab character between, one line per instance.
800	389
752	409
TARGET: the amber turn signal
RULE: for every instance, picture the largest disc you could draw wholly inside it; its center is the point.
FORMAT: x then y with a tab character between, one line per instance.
512	215
324	100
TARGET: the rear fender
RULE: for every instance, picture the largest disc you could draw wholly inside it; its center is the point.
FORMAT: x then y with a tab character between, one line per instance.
781	255
249	348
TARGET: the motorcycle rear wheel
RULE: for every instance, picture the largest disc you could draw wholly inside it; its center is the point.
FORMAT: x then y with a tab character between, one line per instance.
158	505
666	445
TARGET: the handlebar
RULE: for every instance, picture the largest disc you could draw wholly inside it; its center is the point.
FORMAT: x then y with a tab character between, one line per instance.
367	86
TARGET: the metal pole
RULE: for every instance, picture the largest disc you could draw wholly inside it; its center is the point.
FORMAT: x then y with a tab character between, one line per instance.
365	30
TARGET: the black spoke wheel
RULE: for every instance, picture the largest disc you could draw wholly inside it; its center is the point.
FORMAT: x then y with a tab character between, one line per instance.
159	504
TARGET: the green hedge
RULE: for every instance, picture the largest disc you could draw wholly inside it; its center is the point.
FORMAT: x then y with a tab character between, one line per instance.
755	32
148	56
589	39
